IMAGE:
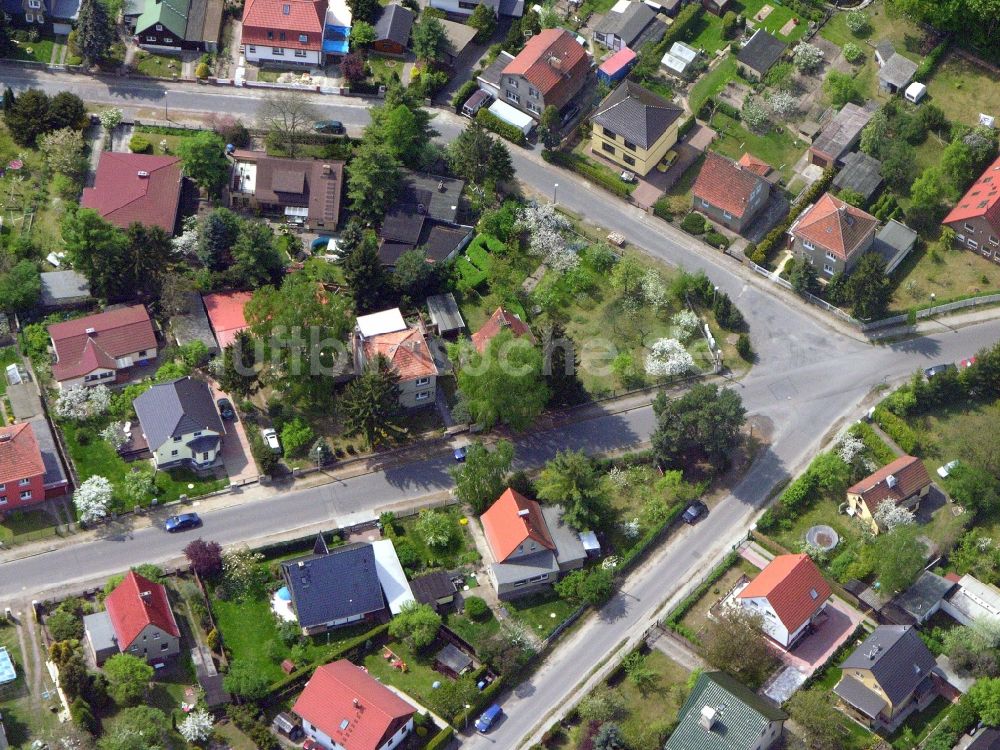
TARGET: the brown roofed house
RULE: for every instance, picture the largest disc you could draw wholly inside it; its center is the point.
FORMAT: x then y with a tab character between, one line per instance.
730	193
304	191
904	482
839	136
136	188
833	235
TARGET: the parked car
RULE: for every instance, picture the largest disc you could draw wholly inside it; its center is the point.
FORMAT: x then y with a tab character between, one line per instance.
667	161
311	744
271	439
331	127
694	511
930	372
182	522
569	114
944	471
966	363
488	718
461	453
225	408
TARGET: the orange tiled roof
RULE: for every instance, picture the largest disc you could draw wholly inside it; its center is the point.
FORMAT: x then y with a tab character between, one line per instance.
20	457
725	185
755	165
406	350
910	476
294	17
498	321
793	586
511	520
982	199
549	59
835	226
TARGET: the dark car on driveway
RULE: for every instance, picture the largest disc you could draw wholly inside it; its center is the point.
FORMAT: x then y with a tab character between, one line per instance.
182	522
225	408
694	511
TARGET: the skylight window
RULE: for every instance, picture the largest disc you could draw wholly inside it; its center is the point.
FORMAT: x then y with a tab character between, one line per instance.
286	9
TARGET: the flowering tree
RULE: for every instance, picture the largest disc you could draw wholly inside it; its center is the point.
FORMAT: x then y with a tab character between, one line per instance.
754	114
888	515
187	242
99	400
114	433
111	118
631	529
857	21
849	447
435	527
668	357
807	57
545	226
79	403
243	575
852	52
783	104
197	727
92	499
654	291
685	323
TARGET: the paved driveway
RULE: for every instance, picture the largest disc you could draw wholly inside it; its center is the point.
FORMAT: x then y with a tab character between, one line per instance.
236	455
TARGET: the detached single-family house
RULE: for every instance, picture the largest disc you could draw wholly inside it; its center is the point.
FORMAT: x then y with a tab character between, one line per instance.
833	235
629	24
634	127
181	424
342	707
180	24
531	545
136	187
136	620
97	348
284	32
64	289
760	52
550	70
840	135
424	216
335	587
22	470
57	15
895	71
904	482
304	192
722	714
500	320
790	594
887	677
386	333
392	30
976	217
729	193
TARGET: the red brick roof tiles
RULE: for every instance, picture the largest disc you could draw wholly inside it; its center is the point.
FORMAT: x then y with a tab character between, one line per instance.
122	195
793	586
910	477
725	185
116	333
982	199
512	520
500	320
406	350
755	165
291	17
550	60
835	226
20	457
137	603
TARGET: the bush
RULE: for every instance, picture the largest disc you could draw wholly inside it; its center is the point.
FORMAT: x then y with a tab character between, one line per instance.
267	460
139	144
686	126
744	348
715	239
593	171
927	65
693	223
662	209
853	53
476	608
897	429
673	619
491	122
729	26
202	71
466	90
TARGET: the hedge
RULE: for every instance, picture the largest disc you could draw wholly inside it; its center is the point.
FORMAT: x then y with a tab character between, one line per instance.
139	144
482	699
441	739
881	452
896	428
462	95
791	501
673	619
480	251
686	126
728	109
589	169
662	209
930	62
678	29
471	276
772	241
505	130
693	223
650	538
715	239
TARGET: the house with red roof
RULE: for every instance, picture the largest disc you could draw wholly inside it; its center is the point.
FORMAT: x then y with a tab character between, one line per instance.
136	620
284	32
132	188
730	193
500	320
101	348
549	71
22	470
344	708
405	347
789	594
904	482
225	314
531	544
976	217
833	235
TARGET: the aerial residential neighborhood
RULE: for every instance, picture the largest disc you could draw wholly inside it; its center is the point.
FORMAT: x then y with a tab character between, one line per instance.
571	375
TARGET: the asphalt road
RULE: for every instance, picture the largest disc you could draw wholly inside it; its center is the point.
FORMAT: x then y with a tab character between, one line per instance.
808	378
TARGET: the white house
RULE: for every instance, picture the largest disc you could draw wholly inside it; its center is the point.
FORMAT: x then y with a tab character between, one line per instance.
181	424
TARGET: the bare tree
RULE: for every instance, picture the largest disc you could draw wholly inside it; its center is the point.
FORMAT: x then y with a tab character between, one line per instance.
285	114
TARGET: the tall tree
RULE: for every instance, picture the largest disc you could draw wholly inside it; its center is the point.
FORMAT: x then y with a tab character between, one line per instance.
736	644
562	368
868	287
98	250
373	180
483	476
137	728
484	21
428	38
147	254
203	159
20	287
364	10
417	624
290	113
704	421
572	481
28	116
63	151
256	260
128	678
403	135
813	711
478	157
362	34
216	237
367	278
237	372
414	275
370	404
94	31
66	110
901	557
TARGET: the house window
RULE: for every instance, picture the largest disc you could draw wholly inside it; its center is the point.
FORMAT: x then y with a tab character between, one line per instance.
994	240
159	27
156	636
608	133
969	228
422	396
629	145
26	495
107	375
3	499
628	160
512	82
164	646
204	456
150	38
3	487
177	439
173	453
972	243
704	203
168	40
281	35
270	35
532	92
300	53
532	107
830	256
24	482
422	381
253	50
828	269
467	6
278	51
608	147
520	583
34	3
29	17
726	215
303	38
808	245
513	97
960	237
541	577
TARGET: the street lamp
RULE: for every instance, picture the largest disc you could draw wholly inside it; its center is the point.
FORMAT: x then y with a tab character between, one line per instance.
715	291
555	192
468	708
166	109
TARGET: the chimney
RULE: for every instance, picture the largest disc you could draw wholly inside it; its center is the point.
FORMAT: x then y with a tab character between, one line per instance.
357	703
6	437
146	596
90	331
707	719
891	480
555	62
143	173
421	209
524	512
326	169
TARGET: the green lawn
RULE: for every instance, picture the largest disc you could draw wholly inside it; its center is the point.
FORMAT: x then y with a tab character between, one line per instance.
696	618
541	612
8	356
157	66
917	726
776	19
419	676
385	70
460	550
778	148
963	90
38	51
903	33
658	704
712	83
474	632
26	524
705	34
158	140
946	273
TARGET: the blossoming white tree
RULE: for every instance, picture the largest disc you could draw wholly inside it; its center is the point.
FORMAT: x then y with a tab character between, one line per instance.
92	499
545	226
783	104
654	291
114	433
685	322
807	57
889	516
79	403
196	727
668	357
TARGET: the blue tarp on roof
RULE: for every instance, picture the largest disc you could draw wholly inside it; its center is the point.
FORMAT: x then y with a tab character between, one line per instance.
335	40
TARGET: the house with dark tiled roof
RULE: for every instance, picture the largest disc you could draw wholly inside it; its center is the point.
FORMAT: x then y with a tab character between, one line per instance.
833	235
550	70
181	424
634	127
284	32
789	594
722	714
137	619
760	52
861	173
904	482
22	470
392	30
405	348
976	216
729	193
629	24
424	216
180	24
531	545
501	320
57	16
98	348
888	677
136	188
332	588
344	707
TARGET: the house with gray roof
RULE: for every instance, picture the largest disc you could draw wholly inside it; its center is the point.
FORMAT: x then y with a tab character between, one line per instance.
722	714
760	52
55	15
629	24
887	678
181	424
635	127
392	30
861	173
840	134
333	588
64	289
444	312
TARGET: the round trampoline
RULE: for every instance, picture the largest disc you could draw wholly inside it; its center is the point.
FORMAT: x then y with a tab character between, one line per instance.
822	537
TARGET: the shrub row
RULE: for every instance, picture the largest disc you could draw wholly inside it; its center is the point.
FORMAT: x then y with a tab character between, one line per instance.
930	62
505	130
727	109
677	32
674	617
897	428
589	169
662	209
462	95
440	740
791	502
471	277
836	657
880	452
165	130
773	240
716	239
686	126
650	538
